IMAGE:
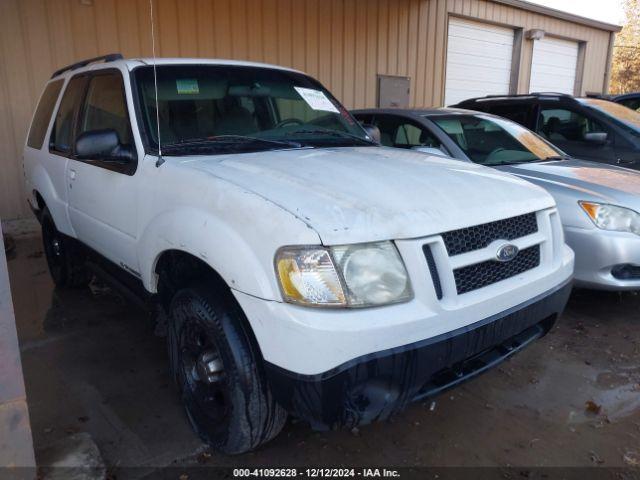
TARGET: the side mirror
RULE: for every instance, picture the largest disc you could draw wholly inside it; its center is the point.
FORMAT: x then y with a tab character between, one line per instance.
597	138
103	145
373	132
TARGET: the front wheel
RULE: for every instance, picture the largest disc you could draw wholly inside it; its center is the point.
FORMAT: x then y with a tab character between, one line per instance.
216	365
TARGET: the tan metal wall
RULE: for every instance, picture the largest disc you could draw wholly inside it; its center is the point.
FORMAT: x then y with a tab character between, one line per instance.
344	43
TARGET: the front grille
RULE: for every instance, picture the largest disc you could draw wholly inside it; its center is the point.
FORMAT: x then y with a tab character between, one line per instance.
485	273
474	238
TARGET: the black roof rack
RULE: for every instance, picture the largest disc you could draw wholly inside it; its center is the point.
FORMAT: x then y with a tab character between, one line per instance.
83	63
599	95
518	95
555	94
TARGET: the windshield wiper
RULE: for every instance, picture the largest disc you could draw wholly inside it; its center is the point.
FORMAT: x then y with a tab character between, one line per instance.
551	158
226	141
501	163
333	133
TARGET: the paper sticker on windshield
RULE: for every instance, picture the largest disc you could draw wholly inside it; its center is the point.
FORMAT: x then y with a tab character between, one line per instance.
187	86
316	99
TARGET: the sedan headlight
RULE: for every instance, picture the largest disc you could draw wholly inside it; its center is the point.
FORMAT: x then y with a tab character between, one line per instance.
362	275
611	217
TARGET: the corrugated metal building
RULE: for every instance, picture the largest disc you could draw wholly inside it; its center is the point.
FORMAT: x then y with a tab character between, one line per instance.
448	49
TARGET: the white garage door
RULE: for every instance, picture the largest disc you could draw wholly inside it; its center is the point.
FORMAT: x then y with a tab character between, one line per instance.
478	60
553	66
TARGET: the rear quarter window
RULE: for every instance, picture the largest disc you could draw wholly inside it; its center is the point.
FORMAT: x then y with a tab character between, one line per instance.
43	114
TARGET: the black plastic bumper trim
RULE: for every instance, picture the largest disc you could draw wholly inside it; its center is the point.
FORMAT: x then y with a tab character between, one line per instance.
374	386
416	345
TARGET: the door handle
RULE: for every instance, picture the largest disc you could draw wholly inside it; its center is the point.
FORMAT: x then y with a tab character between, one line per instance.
72	174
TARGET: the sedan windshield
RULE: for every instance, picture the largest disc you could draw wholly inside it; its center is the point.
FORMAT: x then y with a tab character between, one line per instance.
495	141
624	116
208	109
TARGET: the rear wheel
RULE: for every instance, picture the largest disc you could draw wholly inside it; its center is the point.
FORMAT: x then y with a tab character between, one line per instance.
218	369
66	263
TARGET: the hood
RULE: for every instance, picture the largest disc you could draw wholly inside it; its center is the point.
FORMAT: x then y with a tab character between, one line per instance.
363	194
583	180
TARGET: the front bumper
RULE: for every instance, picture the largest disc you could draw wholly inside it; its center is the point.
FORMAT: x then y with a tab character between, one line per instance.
374	386
597	252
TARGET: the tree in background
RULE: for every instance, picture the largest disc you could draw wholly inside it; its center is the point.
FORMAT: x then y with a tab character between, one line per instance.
625	70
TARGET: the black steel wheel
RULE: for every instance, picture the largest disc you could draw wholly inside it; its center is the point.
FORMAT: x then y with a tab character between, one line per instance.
218	369
202	372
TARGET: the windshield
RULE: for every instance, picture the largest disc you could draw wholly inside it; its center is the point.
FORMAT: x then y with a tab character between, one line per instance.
495	141
206	109
624	116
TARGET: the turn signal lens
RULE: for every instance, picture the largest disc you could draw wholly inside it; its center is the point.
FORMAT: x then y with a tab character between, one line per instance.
308	277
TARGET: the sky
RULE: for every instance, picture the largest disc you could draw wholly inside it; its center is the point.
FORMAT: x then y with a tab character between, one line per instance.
609	11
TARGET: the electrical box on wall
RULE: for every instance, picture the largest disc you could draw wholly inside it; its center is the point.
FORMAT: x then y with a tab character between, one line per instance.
393	91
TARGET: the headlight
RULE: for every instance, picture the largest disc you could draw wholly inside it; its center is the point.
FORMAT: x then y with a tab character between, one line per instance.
344	276
610	217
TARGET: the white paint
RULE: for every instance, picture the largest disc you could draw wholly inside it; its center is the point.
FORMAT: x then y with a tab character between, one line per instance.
364	194
553	66
478	60
312	341
235	211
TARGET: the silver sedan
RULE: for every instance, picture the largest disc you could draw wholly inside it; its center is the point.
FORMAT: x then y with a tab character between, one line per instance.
598	203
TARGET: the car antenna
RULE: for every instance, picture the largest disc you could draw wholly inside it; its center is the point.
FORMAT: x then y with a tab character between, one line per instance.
160	160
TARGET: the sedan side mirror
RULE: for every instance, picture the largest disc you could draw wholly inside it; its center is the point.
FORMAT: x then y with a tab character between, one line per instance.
103	145
597	138
373	132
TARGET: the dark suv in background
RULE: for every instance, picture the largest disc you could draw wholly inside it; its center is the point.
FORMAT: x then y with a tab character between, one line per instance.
630	100
590	128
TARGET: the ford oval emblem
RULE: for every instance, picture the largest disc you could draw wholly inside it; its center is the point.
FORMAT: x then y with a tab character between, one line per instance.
507	252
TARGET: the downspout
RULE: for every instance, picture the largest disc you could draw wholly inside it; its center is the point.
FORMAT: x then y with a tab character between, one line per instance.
607	69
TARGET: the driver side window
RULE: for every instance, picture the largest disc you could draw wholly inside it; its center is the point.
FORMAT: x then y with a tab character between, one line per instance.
408	135
559	124
401	133
105	107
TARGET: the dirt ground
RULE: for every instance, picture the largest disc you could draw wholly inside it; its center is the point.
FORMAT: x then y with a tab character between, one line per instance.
92	363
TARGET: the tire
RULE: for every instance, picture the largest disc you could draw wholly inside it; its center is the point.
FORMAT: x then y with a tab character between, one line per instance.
66	263
229	404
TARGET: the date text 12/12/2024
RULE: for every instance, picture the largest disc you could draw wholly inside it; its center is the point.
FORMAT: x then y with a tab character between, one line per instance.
316	472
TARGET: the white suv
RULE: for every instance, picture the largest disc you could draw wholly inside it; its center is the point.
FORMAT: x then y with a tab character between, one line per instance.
304	268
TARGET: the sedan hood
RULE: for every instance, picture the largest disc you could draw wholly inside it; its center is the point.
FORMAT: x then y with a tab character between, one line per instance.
583	180
363	194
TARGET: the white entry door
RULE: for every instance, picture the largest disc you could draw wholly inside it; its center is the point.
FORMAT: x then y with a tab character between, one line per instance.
478	60
553	66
